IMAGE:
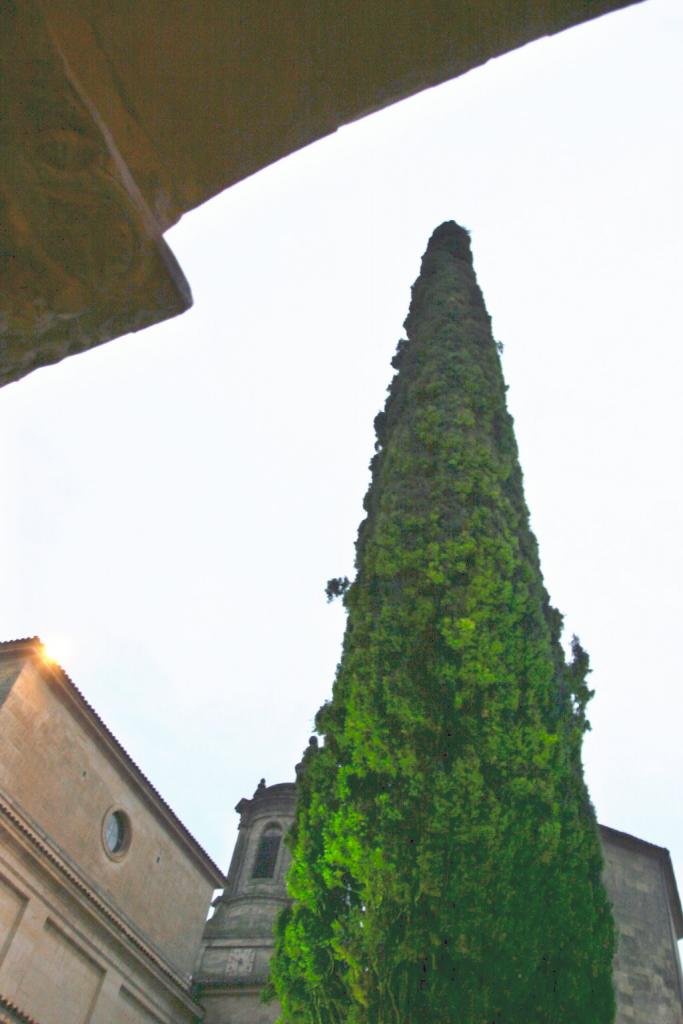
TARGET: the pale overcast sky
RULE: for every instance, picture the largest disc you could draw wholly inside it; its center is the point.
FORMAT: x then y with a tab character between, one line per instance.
174	502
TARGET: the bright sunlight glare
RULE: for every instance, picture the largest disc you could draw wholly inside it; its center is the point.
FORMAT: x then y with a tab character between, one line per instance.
55	650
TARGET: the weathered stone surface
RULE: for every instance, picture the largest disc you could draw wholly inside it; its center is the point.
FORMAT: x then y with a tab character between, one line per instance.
63	775
238	939
88	934
82	259
647	911
116	118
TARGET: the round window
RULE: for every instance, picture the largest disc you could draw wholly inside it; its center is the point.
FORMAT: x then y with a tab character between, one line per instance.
116	833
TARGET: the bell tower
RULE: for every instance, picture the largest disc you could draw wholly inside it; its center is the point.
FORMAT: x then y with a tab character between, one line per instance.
238	938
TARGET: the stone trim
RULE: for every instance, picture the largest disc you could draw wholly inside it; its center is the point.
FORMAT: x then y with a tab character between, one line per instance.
16	1015
256	982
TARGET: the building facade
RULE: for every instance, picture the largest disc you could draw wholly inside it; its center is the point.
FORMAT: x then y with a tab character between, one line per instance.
104	893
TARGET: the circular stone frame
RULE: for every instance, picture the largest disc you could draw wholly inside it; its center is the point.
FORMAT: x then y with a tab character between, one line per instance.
123	821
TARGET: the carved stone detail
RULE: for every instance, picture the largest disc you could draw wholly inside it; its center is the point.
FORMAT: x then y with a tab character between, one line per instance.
82	259
234	961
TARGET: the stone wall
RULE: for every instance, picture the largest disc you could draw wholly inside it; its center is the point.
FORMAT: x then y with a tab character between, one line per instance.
59	772
64	959
647	970
98	925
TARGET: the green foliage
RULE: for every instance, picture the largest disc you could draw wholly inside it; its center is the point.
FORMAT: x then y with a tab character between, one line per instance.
337	587
446	861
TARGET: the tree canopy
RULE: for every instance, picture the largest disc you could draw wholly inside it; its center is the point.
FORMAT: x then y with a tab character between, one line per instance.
446	859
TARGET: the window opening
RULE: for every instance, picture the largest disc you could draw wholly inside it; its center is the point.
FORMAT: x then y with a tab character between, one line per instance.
116	833
266	854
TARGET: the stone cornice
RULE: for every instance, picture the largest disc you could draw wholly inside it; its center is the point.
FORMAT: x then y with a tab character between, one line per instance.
10	1013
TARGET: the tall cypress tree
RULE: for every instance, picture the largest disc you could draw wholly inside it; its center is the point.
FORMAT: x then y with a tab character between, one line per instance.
446	859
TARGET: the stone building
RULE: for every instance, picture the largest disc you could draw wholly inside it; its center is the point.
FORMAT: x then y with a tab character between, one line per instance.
641	885
104	893
238	940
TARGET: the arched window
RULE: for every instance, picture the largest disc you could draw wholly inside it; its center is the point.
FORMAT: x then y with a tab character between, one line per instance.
266	854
